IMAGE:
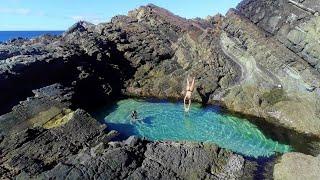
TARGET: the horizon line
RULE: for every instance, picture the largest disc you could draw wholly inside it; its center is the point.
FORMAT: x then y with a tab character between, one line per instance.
30	30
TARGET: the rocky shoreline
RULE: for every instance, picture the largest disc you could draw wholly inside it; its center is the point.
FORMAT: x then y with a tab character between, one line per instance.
261	60
58	142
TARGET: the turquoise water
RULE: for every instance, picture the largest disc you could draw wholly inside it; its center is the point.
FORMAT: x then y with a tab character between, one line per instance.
168	121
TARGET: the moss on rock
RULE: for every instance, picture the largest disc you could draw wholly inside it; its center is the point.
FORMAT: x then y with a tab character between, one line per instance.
274	96
60	119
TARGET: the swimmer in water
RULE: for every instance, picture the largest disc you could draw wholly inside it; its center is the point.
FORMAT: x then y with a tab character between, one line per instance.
134	115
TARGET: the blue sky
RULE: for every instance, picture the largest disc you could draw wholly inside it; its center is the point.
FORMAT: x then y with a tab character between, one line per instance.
61	14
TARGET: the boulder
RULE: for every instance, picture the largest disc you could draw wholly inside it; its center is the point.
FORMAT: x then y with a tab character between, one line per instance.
297	166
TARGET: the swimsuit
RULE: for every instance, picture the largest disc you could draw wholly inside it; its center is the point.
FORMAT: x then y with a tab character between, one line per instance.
188	90
188	94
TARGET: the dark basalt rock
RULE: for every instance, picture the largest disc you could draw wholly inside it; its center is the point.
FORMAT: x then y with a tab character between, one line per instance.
71	144
148	160
260	59
36	150
80	26
79	60
52	99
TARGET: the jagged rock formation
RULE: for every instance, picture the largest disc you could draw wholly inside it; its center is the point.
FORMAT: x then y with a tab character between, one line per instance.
52	141
292	22
149	161
275	82
261	59
164	48
81	60
48	103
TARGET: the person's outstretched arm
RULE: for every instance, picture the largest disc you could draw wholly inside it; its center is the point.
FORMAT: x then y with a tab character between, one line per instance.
188	83
192	84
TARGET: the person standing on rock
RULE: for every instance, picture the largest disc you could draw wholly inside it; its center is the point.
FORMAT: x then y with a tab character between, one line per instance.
187	97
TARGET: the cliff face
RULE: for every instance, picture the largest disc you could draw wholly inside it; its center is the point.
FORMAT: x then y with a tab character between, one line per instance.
234	61
276	83
282	41
165	48
294	23
261	59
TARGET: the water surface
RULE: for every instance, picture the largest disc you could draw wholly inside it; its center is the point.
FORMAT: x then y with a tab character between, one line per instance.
168	121
7	35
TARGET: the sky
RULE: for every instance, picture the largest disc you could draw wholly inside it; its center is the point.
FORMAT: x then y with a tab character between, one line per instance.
61	14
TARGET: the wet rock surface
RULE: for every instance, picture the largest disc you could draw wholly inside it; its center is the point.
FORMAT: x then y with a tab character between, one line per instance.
261	59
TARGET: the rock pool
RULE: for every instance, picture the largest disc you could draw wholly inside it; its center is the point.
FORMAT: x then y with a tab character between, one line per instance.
159	120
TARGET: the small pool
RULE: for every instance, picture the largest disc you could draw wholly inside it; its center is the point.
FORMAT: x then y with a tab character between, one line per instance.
168	121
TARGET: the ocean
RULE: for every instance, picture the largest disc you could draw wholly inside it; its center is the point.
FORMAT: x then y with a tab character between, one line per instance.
7	35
